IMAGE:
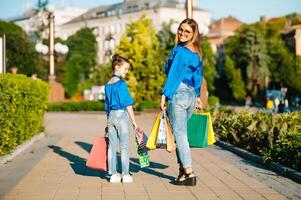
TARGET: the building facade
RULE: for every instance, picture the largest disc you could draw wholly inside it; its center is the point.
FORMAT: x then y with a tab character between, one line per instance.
109	22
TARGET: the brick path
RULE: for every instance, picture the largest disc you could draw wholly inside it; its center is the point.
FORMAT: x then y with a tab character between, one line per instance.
61	173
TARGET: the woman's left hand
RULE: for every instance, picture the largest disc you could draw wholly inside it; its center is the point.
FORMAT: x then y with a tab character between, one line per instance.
198	103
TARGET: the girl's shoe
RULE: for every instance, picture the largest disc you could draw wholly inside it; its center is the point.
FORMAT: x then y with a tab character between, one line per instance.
115	178
127	178
187	180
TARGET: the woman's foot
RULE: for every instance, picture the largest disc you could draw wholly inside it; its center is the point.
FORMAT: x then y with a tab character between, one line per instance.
181	173
186	179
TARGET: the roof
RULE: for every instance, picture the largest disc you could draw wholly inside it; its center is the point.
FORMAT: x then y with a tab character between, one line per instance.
127	7
228	24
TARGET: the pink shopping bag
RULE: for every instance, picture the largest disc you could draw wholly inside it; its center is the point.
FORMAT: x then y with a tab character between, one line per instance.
98	155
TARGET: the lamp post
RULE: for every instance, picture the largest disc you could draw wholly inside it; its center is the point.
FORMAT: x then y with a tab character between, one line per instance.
57	90
189	7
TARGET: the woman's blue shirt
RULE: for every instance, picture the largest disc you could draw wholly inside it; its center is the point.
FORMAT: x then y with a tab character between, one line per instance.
183	65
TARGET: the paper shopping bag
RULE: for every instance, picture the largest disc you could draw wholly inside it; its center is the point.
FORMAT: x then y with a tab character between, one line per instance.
98	155
170	140
211	137
152	138
197	128
161	139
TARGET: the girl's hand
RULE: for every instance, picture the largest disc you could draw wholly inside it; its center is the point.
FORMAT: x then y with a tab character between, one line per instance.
162	104
198	103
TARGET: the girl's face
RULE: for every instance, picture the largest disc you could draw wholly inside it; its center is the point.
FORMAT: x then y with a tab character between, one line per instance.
122	69
185	33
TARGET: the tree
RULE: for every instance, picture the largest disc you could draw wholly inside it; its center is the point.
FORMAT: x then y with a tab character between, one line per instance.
140	45
209	64
81	59
20	51
234	77
248	51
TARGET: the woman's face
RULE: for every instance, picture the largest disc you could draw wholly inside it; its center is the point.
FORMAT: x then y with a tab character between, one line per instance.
185	33
123	69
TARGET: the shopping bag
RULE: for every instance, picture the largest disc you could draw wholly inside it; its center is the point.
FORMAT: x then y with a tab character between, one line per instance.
152	138
197	128
97	158
161	139
140	139
211	137
170	140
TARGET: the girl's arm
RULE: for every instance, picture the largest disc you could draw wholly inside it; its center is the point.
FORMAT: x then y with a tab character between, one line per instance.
132	116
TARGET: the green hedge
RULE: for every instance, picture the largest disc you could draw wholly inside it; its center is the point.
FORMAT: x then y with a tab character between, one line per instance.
276	137
92	106
76	106
23	102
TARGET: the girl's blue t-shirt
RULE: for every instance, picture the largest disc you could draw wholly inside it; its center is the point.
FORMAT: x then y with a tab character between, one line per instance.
117	96
183	65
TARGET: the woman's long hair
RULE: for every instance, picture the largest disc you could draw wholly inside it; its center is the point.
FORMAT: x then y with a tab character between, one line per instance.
195	41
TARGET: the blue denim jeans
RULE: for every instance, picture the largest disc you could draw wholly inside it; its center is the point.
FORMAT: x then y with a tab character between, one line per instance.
118	129
180	109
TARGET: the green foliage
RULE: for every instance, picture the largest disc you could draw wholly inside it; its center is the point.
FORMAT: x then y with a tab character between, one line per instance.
275	137
101	74
235	79
22	108
213	100
140	45
166	38
248	51
80	61
20	51
209	60
76	106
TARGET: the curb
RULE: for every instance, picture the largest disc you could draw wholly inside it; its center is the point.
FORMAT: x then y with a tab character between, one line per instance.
20	148
278	168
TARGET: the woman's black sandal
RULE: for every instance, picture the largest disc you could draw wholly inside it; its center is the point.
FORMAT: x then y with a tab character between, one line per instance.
187	180
181	173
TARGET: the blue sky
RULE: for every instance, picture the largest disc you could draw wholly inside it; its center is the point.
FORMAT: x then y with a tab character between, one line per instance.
246	10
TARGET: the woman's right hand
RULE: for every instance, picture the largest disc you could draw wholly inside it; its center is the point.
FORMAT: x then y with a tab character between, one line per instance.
162	103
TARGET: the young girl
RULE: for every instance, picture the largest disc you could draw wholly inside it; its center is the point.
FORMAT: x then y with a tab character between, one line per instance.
119	108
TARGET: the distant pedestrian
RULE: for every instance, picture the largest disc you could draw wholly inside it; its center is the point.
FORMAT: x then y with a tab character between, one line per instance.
118	106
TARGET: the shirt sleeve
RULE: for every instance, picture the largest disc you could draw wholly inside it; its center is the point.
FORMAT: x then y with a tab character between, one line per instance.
197	78
176	73
169	60
125	98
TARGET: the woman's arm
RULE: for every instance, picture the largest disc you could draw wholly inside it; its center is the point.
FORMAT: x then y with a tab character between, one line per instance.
162	104
132	116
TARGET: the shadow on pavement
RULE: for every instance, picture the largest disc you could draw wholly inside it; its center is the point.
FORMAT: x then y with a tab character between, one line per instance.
134	163
78	164
135	168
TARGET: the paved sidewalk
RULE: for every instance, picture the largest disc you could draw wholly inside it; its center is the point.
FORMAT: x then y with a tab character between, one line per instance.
61	173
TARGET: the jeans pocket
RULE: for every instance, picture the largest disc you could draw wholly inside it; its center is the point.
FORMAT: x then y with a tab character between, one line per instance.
182	99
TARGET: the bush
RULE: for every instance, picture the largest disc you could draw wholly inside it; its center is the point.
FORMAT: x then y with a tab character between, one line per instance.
23	102
276	137
213	101
76	106
147	105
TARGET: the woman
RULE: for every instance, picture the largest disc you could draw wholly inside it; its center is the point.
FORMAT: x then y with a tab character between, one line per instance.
182	90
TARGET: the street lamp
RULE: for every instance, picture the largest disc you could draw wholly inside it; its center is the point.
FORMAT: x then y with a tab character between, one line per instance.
57	90
189	7
51	48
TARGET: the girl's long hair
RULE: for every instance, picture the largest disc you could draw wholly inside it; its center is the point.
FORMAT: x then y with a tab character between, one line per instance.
195	41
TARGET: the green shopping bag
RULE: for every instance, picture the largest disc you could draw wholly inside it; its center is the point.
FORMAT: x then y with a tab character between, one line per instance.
197	130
